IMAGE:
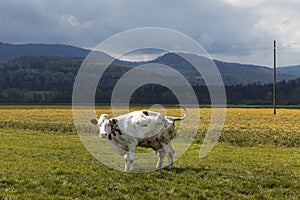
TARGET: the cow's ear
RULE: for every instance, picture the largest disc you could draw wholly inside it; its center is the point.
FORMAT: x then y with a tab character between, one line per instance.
94	121
114	121
145	113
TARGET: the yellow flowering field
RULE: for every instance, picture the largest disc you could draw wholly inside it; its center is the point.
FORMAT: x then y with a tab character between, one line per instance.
243	126
250	126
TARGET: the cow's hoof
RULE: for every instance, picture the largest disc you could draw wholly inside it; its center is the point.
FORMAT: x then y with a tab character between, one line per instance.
169	167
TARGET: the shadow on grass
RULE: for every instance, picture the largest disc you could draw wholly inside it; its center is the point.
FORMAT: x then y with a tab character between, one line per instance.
186	169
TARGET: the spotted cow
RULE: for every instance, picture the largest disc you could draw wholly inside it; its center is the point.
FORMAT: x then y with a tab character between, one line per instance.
142	128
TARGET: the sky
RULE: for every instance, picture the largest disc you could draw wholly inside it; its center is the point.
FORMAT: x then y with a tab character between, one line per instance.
230	30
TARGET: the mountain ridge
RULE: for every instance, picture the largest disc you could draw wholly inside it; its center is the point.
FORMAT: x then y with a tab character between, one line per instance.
10	52
232	73
50	80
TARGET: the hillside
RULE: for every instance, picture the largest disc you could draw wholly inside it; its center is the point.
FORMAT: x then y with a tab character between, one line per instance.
45	79
13	51
294	70
232	73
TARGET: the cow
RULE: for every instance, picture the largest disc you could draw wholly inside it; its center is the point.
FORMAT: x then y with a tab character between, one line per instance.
142	128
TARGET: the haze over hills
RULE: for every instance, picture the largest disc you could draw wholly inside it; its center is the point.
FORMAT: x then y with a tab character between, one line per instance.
232	73
295	70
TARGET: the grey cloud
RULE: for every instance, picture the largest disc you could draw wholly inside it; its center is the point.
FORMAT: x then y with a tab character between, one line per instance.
86	23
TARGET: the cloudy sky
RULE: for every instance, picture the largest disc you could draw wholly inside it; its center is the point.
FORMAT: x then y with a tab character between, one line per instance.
230	30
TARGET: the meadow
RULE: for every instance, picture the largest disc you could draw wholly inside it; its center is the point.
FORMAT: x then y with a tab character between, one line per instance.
257	157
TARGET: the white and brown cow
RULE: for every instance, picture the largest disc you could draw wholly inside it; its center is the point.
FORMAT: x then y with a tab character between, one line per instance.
139	128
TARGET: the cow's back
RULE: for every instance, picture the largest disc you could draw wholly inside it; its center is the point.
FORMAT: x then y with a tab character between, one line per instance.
154	131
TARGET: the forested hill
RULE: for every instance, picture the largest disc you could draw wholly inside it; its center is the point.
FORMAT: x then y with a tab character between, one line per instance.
232	73
13	51
46	79
10	52
290	70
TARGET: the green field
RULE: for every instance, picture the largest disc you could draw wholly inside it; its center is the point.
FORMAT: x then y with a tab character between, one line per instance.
42	157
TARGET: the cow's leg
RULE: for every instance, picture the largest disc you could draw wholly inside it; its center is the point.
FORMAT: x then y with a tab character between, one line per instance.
171	156
131	152
131	159
161	154
126	157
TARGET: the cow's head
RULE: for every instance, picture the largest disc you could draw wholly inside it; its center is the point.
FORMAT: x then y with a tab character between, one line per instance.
105	124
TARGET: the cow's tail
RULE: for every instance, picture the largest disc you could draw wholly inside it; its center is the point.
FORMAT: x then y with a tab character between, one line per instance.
173	119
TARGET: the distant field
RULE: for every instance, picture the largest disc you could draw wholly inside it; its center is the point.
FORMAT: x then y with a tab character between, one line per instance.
243	126
258	157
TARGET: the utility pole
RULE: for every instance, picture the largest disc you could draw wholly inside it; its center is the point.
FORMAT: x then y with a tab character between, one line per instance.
274	81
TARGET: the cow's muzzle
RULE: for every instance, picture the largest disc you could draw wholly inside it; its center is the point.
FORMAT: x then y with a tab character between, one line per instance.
103	135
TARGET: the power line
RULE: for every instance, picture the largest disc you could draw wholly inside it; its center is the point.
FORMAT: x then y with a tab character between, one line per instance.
290	54
236	44
290	49
252	49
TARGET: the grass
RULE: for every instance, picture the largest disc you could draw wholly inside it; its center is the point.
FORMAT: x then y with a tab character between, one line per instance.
37	163
49	165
